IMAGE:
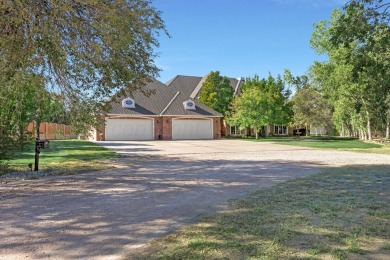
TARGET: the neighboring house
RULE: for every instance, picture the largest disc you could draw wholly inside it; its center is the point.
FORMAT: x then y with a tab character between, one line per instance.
318	130
172	112
274	130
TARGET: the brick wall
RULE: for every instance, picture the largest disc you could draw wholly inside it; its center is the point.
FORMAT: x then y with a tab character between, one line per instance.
167	128
217	128
158	129
224	130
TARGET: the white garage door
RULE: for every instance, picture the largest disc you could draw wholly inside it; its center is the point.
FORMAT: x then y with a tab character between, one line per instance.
192	129
129	129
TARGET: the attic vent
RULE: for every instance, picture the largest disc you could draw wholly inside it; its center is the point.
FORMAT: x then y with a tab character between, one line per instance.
128	103
189	104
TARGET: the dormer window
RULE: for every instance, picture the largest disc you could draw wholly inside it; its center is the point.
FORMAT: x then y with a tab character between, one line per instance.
128	103
189	105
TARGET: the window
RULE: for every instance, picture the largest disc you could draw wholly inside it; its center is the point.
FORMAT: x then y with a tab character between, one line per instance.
235	130
280	130
232	130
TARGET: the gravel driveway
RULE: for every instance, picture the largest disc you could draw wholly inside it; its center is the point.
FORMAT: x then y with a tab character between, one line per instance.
157	187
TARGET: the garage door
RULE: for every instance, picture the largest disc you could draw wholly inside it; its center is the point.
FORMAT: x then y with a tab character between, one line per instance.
129	129
192	129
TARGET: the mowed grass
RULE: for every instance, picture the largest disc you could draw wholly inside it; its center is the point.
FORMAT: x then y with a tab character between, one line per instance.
65	157
341	213
337	143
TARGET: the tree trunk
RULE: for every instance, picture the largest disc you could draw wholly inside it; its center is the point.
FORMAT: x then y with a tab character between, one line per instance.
388	127
362	135
264	131
369	134
37	151
38	126
256	132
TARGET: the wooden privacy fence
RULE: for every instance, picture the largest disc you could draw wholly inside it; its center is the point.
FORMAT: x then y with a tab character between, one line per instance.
52	130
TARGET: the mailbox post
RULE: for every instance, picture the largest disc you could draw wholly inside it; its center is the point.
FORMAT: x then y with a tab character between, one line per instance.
39	144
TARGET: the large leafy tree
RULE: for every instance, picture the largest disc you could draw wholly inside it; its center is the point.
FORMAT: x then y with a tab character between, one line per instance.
356	77
262	102
217	92
76	52
310	109
90	47
251	109
24	101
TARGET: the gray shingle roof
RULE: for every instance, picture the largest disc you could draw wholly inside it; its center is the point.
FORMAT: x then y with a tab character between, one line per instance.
152	105
157	103
168	99
177	108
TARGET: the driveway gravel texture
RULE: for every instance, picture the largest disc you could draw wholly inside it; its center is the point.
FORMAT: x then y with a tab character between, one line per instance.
157	187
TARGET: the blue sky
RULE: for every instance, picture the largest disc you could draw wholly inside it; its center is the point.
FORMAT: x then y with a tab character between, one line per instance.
239	38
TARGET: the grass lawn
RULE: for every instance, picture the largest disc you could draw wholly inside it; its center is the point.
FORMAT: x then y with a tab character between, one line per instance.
65	157
338	143
342	213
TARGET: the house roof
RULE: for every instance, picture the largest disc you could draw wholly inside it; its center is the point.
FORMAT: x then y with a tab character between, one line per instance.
145	105
185	85
167	99
234	83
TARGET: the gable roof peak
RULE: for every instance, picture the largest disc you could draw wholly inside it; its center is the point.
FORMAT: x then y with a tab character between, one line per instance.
198	87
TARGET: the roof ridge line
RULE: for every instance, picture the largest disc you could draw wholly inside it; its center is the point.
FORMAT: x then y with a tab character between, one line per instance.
169	104
169	82
198	87
237	87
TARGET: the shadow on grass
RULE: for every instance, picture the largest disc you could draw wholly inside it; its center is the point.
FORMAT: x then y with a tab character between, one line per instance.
62	150
65	156
342	213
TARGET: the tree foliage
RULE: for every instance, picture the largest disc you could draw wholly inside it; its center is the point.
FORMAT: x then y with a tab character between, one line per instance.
91	47
21	102
217	92
262	102
356	77
310	109
70	56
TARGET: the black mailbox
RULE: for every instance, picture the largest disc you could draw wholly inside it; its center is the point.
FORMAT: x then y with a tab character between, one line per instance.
42	144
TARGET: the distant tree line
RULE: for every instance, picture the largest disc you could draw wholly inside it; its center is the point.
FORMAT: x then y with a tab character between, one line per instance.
355	80
349	94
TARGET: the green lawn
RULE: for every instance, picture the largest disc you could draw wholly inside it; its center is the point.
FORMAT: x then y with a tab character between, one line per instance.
65	157
338	143
342	213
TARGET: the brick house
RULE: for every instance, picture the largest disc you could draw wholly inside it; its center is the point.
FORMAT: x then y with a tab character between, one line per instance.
172	112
